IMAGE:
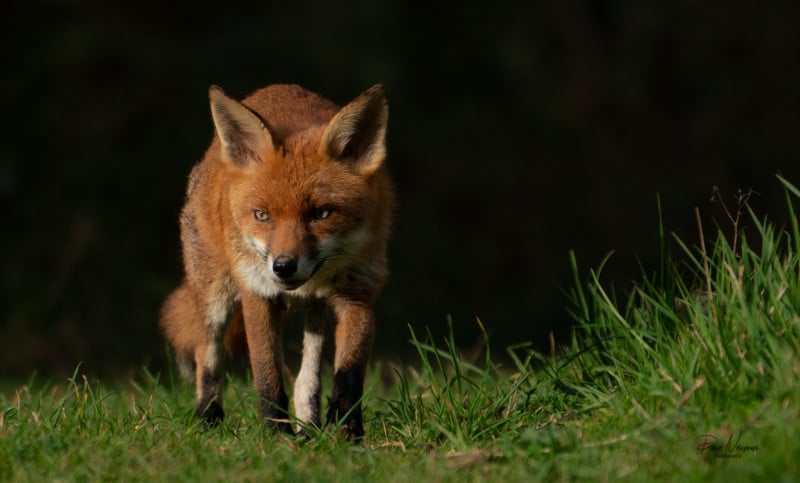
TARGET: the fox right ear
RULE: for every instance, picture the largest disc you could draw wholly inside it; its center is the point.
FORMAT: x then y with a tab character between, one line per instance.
357	133
244	136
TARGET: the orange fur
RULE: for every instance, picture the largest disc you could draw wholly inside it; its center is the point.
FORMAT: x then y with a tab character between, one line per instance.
291	205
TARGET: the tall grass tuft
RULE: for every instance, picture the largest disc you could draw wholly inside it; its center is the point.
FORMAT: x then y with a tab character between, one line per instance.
708	347
454	402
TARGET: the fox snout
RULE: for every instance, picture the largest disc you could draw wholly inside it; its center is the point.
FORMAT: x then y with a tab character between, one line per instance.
291	271
284	266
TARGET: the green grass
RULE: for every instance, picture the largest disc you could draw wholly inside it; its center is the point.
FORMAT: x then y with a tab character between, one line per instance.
693	374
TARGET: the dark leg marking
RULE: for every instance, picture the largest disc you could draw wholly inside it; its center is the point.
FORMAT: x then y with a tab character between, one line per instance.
209	406
344	405
275	414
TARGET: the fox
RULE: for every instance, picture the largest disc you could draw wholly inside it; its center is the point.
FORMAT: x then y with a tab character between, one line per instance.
289	208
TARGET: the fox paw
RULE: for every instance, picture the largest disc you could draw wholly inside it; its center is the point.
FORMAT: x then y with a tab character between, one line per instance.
210	414
351	428
351	431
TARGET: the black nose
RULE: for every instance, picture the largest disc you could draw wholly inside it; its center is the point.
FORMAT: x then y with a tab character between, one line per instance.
284	266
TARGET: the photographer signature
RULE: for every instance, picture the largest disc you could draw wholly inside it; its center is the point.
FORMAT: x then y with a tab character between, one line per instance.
732	448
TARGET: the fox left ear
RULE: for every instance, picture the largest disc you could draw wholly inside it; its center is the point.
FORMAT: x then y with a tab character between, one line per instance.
357	133
245	139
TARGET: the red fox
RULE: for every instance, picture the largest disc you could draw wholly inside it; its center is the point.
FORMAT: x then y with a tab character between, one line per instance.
290	206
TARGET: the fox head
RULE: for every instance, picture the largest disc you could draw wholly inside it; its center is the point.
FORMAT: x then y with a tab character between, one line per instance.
302	200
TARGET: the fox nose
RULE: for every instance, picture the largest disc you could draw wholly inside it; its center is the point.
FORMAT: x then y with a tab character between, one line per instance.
284	266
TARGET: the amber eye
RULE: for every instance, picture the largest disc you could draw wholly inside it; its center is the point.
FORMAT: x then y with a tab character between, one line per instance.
321	213
261	216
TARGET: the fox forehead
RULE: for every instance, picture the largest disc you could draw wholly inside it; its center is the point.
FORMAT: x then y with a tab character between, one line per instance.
292	181
303	143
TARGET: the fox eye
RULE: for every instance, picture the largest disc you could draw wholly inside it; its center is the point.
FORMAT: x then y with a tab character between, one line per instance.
321	213
261	216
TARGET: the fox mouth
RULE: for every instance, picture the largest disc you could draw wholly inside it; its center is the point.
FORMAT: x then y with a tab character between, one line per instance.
293	284
290	285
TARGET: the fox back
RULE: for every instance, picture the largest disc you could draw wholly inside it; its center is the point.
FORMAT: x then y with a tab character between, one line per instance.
291	205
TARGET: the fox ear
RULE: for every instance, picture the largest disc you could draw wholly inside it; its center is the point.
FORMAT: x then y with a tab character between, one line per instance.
243	135
357	133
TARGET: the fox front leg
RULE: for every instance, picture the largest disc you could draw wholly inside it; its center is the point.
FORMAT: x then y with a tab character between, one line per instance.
209	355
263	323
307	385
355	332
209	380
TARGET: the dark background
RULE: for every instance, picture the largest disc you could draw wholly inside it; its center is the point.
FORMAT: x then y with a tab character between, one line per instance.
518	131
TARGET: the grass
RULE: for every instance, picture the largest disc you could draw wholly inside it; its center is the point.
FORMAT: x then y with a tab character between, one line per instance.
691	375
